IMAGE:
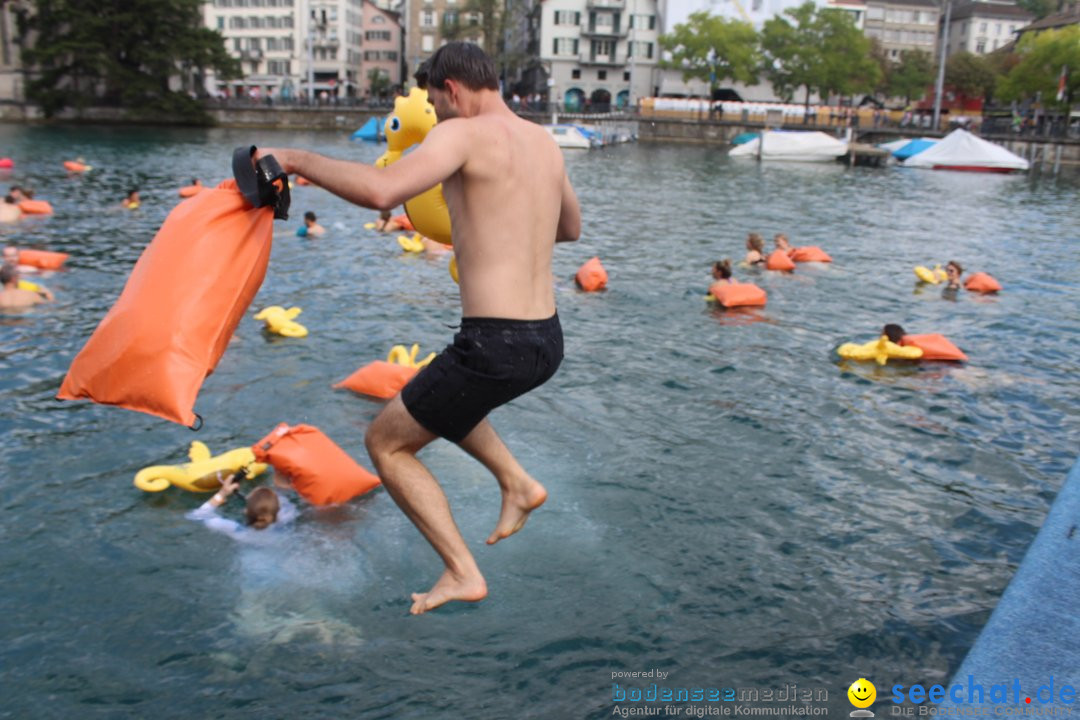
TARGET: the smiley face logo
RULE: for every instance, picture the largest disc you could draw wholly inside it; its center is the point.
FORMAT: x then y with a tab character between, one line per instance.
862	693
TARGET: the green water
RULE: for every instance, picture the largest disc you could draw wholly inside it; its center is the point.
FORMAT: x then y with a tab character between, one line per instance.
729	503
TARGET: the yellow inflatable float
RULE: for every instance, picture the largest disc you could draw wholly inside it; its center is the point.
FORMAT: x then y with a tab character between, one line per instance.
880	350
203	474
926	275
410	123
411	244
282	322
400	356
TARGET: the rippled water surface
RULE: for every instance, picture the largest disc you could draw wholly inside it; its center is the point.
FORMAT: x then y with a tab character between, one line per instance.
729	503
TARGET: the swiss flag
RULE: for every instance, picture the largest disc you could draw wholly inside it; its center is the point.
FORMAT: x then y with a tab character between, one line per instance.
1062	80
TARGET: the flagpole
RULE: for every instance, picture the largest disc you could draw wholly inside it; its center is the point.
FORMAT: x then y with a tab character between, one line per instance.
940	87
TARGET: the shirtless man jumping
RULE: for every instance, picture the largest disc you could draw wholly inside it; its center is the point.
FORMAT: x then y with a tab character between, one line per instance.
510	201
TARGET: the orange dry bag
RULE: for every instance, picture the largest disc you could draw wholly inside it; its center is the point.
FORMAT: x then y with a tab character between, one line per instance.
982	283
934	347
810	253
379	379
184	298
591	276
738	294
43	259
320	471
189	190
36	207
403	222
779	260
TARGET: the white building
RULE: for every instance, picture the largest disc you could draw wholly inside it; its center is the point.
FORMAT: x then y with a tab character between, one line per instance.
983	27
901	25
599	53
280	43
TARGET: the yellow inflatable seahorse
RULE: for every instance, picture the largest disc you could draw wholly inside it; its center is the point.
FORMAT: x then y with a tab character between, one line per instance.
926	275
879	350
282	322
410	123
203	474
400	356
411	244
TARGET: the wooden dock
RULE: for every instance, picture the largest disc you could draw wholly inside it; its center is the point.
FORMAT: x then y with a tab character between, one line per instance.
866	155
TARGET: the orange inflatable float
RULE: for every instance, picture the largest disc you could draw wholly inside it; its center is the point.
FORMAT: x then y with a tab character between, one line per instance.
190	190
320	470
300	180
43	259
183	300
810	253
379	379
934	347
591	276
779	260
980	282
6	163
738	294
36	207
403	222
75	166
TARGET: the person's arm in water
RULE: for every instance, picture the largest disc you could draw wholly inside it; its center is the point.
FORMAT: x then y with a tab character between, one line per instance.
569	214
440	155
207	512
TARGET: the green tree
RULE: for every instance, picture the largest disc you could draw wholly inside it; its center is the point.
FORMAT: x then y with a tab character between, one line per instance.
819	49
1039	8
378	82
1041	58
125	54
910	77
712	48
971	74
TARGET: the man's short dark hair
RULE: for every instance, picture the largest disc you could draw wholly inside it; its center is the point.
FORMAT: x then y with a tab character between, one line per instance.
8	273
461	61
309	216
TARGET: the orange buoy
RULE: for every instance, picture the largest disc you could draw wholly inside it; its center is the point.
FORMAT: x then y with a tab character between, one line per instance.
738	294
189	190
44	259
35	207
379	379
321	472
810	253
591	276
75	167
779	260
981	282
182	302
403	222
6	163
934	347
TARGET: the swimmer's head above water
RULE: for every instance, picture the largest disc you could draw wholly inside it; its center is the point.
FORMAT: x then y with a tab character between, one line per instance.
261	505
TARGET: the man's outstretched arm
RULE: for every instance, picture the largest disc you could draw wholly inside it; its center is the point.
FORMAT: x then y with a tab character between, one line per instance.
440	155
569	214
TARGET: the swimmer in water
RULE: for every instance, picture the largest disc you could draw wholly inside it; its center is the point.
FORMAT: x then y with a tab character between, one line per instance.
262	508
721	271
755	249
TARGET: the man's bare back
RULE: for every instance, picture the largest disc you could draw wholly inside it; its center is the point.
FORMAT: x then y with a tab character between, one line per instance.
14	299
504	207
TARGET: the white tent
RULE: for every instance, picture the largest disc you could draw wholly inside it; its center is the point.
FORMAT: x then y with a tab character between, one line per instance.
960	150
793	146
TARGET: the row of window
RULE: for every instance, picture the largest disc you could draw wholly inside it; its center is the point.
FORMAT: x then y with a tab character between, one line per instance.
575	74
909	17
601	48
381	55
377	35
273	44
256	23
253	3
906	37
999	28
279	67
429	18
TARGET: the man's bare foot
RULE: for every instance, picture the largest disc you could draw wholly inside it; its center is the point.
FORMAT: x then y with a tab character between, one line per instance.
516	506
470	588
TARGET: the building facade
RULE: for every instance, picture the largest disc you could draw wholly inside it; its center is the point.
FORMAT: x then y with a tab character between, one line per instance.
11	73
983	27
430	23
282	44
599	53
901	25
381	67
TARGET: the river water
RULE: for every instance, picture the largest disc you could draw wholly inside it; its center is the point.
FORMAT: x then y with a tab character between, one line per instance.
729	503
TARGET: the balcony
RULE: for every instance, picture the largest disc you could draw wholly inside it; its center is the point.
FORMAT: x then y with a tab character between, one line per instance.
588	58
603	31
249	55
608	4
